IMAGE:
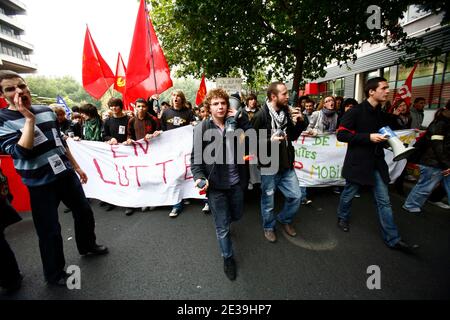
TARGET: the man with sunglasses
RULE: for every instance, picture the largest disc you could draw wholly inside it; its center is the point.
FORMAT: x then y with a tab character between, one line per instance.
30	135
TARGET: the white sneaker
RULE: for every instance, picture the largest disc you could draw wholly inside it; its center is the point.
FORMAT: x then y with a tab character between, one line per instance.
413	210
250	186
206	208
173	213
440	204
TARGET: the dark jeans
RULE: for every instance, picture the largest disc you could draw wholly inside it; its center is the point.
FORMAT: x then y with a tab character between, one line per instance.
9	270
382	202
226	207
44	205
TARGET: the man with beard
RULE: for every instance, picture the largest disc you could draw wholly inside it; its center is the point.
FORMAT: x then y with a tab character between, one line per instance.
276	125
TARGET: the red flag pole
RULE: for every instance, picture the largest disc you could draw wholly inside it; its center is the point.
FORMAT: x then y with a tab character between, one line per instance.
151	47
151	51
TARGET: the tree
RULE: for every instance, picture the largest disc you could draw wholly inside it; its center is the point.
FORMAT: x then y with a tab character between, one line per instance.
46	89
283	37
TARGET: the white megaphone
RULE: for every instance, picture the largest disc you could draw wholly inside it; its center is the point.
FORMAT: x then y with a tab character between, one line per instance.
399	150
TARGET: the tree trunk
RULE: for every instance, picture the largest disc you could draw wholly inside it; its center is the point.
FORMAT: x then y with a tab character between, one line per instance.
298	71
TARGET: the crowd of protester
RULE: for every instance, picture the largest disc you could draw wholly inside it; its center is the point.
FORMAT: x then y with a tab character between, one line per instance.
353	122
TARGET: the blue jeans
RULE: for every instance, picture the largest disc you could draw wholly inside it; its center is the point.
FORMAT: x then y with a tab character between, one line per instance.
304	193
429	178
381	196
178	206
287	182
226	207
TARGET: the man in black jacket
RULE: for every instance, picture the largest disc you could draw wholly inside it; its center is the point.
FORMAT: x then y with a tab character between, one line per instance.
278	128
364	162
223	176
433	161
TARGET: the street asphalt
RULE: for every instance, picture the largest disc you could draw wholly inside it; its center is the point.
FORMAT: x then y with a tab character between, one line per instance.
154	257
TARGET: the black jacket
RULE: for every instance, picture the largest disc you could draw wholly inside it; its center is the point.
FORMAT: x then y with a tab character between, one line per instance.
8	215
436	152
363	157
217	174
263	120
115	128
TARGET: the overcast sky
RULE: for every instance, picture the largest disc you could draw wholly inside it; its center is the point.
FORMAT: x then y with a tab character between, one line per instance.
56	28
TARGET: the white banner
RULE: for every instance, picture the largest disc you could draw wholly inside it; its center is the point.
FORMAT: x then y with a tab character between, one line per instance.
153	173
157	173
319	160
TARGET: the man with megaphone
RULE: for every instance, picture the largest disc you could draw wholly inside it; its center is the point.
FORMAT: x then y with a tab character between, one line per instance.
364	163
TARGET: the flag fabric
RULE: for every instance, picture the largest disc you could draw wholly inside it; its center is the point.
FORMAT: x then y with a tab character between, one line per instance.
60	100
3	103
120	79
201	93
97	75
147	70
404	92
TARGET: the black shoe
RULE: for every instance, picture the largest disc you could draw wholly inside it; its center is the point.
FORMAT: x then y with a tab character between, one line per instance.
110	207
60	282
13	286
404	247
229	266
343	225
96	250
129	211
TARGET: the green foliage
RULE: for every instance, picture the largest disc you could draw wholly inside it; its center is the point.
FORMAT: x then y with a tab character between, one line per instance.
45	90
277	37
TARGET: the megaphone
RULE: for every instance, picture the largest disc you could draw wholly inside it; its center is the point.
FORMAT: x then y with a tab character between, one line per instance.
400	151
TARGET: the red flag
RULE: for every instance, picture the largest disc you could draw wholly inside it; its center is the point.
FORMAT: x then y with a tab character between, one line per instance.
147	70
97	75
201	93
3	103
121	71
404	92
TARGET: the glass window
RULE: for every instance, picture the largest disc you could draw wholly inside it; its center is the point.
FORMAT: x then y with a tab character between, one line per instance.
387	74
412	13
422	70
440	64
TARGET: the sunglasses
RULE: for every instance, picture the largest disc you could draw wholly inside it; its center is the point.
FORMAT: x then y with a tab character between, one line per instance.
22	86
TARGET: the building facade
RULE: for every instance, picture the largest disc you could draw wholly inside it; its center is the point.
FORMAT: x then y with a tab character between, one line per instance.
14	52
431	81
